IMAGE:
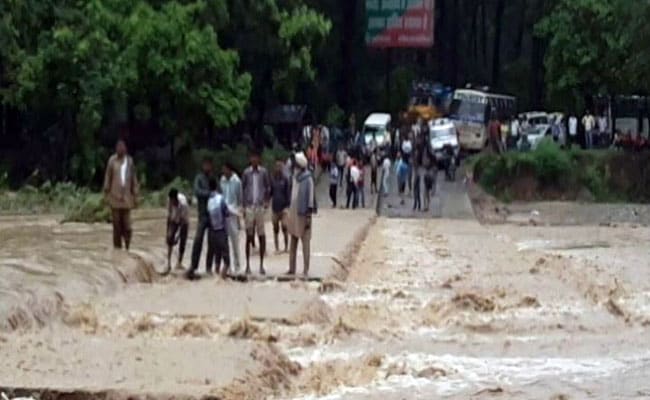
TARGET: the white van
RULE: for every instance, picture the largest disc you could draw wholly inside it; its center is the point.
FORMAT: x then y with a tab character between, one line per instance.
377	128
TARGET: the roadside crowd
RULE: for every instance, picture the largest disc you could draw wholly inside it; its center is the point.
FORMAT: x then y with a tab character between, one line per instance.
288	191
590	131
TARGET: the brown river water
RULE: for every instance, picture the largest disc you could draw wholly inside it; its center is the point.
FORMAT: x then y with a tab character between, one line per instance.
412	309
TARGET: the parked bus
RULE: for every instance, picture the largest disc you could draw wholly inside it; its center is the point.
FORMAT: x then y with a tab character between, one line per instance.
471	110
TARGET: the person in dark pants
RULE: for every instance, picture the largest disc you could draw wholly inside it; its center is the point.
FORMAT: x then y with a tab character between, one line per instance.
218	250
202	193
121	192
350	187
178	222
417	200
334	183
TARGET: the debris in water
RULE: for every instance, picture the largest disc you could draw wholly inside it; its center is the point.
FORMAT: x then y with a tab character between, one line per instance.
432	372
193	329
529	301
474	302
540	261
448	282
83	317
400	295
443	253
560	397
616	310
534	270
329	286
496	390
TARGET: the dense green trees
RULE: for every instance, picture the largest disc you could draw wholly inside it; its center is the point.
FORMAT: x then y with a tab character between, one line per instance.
199	73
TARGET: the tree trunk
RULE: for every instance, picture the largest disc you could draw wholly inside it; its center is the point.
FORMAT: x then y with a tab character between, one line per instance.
496	52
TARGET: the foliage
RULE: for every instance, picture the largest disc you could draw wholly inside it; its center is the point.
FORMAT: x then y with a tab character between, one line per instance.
592	46
556	173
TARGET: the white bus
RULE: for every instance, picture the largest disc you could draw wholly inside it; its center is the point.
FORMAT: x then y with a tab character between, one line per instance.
471	110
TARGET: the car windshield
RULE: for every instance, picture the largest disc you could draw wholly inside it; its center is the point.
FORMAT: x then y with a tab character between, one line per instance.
442	131
535	130
538	121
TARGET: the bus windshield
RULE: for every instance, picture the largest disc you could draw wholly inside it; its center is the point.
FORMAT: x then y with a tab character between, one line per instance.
464	110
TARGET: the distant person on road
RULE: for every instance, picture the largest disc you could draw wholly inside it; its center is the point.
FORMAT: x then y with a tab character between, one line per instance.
280	201
303	206
385	173
429	184
202	193
356	177
602	129
218	251
417	178
334	183
341	158
362	184
374	166
589	124
178	223
402	172
121	192
232	193
256	187
573	130
494	132
524	144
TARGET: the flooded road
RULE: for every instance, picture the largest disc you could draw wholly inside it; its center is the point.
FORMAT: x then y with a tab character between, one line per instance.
406	309
450	309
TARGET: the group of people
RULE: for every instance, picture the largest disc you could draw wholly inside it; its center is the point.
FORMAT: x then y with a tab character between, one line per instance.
288	191
511	133
349	171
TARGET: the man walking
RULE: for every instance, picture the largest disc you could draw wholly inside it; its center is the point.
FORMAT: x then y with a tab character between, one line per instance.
217	236
202	193
178	223
341	158
256	187
303	205
121	192
589	124
334	183
232	193
280	197
374	166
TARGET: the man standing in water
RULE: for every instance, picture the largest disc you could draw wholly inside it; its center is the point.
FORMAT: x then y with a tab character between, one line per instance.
178	223
231	188
280	192
202	193
303	205
256	187
121	193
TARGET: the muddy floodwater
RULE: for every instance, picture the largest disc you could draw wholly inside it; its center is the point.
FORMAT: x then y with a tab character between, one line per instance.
404	309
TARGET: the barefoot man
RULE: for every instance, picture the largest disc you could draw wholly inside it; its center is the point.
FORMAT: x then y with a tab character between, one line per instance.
256	188
121	193
178	223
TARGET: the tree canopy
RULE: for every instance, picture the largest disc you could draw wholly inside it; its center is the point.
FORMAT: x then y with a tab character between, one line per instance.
175	75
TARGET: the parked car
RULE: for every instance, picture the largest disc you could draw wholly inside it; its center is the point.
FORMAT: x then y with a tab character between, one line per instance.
535	135
376	131
443	139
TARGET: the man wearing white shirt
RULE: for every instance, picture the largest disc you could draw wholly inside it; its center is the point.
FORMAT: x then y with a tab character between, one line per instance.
178	223
232	193
573	129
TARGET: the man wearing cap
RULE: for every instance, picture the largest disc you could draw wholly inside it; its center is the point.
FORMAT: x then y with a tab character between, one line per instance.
256	189
299	217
